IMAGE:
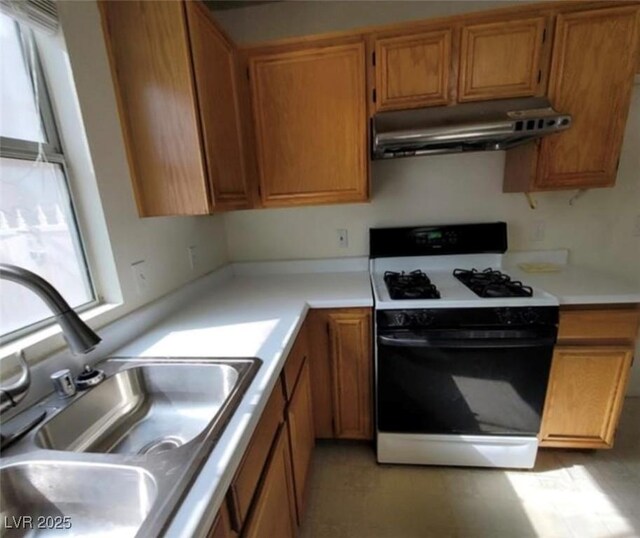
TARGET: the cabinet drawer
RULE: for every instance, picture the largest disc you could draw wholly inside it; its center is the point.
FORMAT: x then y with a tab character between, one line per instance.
605	325
296	357
246	480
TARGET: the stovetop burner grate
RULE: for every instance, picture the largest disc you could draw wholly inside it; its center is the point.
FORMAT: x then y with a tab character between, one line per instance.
413	285
492	283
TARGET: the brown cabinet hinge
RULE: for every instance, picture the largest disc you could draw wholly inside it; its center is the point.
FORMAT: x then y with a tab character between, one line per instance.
544	35
539	76
374	95
373	58
248	75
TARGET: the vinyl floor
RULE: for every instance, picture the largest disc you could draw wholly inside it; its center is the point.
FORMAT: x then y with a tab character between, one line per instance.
569	494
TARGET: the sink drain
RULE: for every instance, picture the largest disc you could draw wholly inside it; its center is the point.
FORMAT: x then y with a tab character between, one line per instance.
160	445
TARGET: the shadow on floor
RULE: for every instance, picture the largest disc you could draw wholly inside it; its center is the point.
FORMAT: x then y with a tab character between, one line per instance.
569	494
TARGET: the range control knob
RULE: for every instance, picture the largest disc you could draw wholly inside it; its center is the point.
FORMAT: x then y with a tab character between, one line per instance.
530	316
424	318
507	316
401	319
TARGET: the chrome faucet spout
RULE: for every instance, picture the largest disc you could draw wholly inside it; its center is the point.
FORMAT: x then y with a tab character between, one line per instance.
77	333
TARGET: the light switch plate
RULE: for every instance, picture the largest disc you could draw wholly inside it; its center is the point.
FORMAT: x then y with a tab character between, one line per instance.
140	277
192	252
343	238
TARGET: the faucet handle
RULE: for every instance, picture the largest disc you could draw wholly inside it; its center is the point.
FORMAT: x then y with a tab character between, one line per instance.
13	394
63	382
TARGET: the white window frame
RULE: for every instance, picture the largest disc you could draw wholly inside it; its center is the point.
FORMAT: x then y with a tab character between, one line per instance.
52	150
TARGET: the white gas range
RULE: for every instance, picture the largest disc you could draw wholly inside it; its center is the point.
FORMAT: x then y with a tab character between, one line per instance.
463	352
453	293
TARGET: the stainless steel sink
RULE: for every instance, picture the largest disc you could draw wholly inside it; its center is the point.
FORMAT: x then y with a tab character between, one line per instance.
80	498
119	457
142	410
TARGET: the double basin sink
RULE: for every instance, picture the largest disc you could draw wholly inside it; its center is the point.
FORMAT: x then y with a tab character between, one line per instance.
117	459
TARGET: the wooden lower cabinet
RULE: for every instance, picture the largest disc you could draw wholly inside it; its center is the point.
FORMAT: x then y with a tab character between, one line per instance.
329	373
221	527
273	513
585	395
301	436
589	375
243	487
342	372
351	365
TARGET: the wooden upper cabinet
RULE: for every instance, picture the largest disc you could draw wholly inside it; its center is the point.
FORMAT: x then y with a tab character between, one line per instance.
501	59
150	59
585	395
352	372
309	108
215	73
413	70
591	79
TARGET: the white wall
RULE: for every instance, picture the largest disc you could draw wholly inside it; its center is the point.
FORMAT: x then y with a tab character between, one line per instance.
115	235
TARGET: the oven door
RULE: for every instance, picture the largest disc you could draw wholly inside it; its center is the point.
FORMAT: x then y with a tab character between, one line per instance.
489	382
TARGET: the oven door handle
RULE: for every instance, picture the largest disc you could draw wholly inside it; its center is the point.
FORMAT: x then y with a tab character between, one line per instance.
468	343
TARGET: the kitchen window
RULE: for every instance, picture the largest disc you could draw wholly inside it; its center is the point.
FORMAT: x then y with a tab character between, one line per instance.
38	227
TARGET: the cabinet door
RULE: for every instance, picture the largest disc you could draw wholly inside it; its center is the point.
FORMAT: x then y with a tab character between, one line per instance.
274	510
309	108
221	527
215	72
317	324
351	366
501	59
591	78
150	60
298	354
584	398
301	436
243	487
413	71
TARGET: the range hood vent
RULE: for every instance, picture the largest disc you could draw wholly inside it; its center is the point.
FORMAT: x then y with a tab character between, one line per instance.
493	125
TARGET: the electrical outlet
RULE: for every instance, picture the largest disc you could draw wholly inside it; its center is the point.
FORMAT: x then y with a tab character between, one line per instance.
139	269
636	226
343	238
193	257
538	230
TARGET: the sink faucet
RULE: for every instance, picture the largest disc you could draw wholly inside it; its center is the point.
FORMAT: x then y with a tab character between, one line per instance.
77	333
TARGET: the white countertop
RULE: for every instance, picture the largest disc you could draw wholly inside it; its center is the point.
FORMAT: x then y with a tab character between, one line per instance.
573	285
258	314
245	316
